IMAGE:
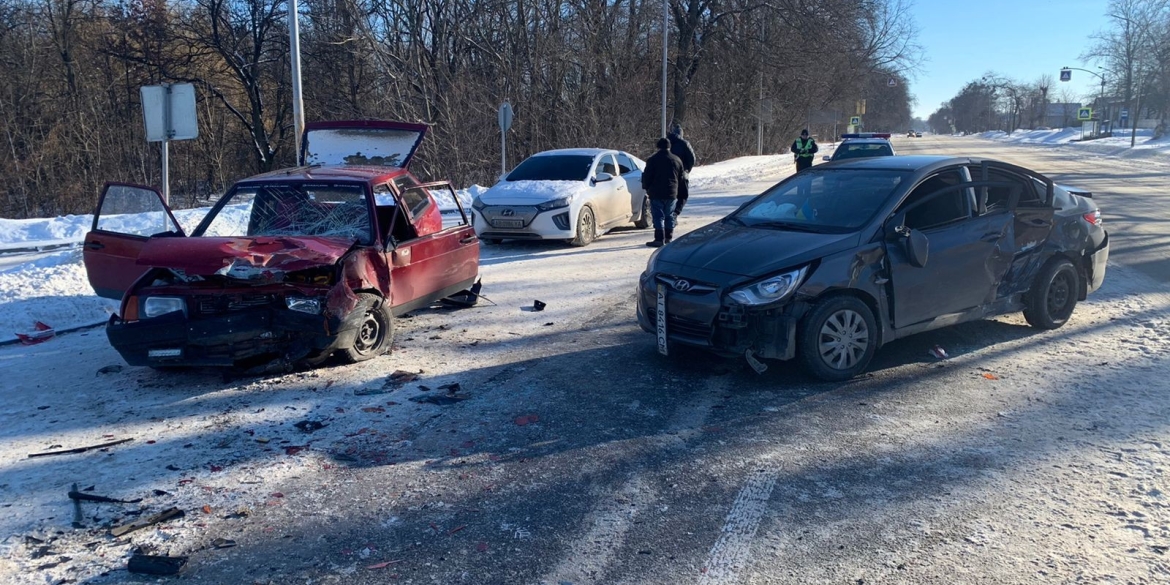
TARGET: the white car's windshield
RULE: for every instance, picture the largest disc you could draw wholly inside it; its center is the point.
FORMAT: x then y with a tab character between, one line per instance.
823	200
553	167
292	209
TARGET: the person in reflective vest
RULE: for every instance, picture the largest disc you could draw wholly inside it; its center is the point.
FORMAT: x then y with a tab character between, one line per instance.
803	150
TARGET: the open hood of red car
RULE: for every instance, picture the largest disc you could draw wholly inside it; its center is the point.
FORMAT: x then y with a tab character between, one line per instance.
375	143
251	258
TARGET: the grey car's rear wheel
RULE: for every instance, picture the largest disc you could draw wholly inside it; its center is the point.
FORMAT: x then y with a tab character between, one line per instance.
644	221
586	227
375	332
1053	297
837	339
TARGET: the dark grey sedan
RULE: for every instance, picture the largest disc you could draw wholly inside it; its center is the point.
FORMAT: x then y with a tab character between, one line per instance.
838	260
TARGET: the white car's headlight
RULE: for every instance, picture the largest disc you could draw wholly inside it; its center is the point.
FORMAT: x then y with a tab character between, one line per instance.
308	305
155	306
478	203
555	203
770	289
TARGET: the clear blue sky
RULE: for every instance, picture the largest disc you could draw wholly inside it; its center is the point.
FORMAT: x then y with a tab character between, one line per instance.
1021	39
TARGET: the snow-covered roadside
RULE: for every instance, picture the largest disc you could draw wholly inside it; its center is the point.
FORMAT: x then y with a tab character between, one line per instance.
1118	145
54	290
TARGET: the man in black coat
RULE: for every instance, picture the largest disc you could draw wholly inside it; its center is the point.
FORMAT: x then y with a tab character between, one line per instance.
661	179
682	149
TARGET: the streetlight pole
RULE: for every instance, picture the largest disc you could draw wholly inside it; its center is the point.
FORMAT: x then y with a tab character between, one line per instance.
294	45
1100	97
665	36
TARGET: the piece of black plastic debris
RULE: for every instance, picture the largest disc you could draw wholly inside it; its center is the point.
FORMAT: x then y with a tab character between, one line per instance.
538	305
172	467
451	388
308	426
424	388
84	497
549	324
45	407
223	543
32	540
89	489
161	493
114	369
437	399
155	565
80	449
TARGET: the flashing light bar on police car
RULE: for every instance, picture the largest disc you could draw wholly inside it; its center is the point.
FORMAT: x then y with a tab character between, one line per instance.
885	135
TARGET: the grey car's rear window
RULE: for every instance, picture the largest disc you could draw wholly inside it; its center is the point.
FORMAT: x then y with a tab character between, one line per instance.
829	200
553	167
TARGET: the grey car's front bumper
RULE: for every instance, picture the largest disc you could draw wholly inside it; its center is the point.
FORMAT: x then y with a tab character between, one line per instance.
699	318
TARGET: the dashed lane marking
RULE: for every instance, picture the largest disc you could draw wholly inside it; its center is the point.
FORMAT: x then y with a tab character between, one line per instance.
732	551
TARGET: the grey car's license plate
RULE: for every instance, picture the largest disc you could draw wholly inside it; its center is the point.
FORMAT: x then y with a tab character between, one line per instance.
508	223
660	319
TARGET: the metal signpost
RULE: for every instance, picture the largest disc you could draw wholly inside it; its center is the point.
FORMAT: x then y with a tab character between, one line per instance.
168	111
505	116
294	46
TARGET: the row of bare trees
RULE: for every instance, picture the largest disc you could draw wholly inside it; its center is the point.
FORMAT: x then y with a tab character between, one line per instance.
577	72
1132	52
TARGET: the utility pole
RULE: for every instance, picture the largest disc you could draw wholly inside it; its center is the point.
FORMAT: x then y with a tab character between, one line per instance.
294	45
665	36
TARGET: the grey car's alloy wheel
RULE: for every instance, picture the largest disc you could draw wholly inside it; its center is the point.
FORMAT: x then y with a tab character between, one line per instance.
837	338
375	331
1053	297
644	221
586	227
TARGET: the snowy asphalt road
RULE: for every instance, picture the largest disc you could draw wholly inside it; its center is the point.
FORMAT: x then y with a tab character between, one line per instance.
580	456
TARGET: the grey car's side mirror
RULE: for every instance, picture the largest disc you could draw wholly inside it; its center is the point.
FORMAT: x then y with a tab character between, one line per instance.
916	244
602	177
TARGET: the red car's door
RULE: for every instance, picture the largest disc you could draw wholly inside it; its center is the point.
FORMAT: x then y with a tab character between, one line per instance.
445	254
126	217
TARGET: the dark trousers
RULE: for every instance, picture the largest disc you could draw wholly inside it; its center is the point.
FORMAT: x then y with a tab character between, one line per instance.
803	162
662	211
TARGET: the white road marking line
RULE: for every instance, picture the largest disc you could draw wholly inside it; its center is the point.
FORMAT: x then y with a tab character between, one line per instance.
590	555
731	552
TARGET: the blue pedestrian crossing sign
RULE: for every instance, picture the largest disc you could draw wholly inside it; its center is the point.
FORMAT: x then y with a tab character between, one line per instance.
1085	114
1066	74
855	120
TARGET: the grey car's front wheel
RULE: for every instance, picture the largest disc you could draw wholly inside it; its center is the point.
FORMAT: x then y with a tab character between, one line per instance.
375	332
837	339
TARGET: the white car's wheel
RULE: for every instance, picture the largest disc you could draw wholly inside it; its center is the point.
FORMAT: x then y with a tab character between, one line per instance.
586	227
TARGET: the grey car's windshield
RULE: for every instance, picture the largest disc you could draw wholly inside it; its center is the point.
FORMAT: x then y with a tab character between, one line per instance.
553	167
862	149
824	200
292	209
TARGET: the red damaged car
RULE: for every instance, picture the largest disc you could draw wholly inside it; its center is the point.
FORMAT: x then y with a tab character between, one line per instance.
289	266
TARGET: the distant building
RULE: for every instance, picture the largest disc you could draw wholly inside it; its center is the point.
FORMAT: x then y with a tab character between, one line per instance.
1061	115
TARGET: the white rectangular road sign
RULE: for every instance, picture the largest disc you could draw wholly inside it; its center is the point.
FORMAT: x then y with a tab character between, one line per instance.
169	116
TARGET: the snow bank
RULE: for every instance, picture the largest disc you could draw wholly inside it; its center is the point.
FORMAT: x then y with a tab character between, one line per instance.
1118	145
741	170
52	289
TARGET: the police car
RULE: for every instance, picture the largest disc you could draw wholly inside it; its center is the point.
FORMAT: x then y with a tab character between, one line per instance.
863	145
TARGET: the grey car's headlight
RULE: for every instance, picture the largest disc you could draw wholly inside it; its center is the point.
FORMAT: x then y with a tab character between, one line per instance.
557	203
770	289
155	306
308	305
478	203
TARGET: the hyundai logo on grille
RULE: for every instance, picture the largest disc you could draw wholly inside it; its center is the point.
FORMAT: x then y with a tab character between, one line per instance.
682	285
507	212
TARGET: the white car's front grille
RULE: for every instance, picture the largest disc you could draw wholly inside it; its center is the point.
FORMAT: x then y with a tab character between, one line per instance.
509	216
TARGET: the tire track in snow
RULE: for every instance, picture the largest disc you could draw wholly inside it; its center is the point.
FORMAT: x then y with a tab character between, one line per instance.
588	558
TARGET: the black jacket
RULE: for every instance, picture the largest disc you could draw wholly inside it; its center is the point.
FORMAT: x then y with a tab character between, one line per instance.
682	149
662	175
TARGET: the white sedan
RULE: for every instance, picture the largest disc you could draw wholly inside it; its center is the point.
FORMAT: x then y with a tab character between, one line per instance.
572	194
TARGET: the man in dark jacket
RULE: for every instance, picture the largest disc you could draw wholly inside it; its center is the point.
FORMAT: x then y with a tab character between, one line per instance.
682	149
661	179
803	150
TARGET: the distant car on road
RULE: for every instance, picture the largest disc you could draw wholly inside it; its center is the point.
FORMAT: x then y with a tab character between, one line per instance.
289	266
571	194
838	260
918	135
862	146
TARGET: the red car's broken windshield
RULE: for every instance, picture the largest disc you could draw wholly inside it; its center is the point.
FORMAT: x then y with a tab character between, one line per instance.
338	210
